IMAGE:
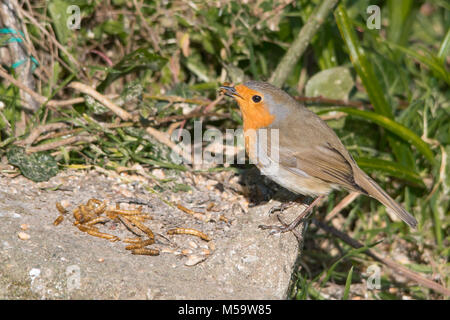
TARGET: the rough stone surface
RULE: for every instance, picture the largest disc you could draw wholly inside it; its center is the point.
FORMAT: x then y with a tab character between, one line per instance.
61	262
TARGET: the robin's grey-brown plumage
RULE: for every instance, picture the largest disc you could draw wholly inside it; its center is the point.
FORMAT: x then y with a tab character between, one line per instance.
312	159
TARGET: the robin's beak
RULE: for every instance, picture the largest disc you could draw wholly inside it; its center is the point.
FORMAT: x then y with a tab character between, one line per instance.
230	91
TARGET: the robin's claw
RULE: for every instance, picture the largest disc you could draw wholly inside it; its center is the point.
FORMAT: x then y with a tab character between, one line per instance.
273	229
279	208
276	229
274	209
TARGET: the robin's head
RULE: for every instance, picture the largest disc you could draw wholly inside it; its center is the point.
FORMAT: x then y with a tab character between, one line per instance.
261	103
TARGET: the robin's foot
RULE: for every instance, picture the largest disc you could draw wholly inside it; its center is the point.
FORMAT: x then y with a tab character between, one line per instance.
291	226
284	227
280	208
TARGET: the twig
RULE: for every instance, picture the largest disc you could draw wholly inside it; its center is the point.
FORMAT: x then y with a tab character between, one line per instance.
7	124
23	87
333	102
193	114
165	139
9	18
214	103
53	39
341	205
300	44
41	129
153	37
37	96
59	143
388	262
173	99
124	115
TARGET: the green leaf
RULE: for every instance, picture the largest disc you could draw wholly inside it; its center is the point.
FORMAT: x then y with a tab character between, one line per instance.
141	59
57	10
113	27
389	124
348	282
392	168
361	63
38	166
333	83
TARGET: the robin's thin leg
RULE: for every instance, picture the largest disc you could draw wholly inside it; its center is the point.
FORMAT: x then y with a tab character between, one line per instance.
291	226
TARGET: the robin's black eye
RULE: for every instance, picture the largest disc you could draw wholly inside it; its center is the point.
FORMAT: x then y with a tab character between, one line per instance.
256	98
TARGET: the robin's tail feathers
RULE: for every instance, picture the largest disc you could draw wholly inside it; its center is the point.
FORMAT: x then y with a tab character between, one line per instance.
375	191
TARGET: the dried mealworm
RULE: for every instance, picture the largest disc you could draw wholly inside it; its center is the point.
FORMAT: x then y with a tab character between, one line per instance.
141	244
146	251
95	221
77	215
127	212
100	208
93	200
86	228
60	208
94	232
132	240
192	232
86	213
99	234
139	225
142	217
189	211
110	214
58	220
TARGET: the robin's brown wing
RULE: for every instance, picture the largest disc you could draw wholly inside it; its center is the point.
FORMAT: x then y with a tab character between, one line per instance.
322	162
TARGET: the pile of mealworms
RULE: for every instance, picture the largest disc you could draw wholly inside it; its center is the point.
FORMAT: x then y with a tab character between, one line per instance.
88	216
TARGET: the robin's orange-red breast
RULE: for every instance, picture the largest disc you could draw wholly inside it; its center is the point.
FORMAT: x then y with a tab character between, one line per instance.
307	157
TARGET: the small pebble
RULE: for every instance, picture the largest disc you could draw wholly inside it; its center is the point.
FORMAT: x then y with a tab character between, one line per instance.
24	226
193	244
185	252
194	259
65	203
206	252
23	236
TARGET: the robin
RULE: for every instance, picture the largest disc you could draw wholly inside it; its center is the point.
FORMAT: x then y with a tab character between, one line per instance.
308	158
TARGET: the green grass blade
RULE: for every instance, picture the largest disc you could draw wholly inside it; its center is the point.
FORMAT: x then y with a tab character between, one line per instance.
348	282
389	124
429	60
361	63
444	49
436	219
399	18
392	168
350	253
